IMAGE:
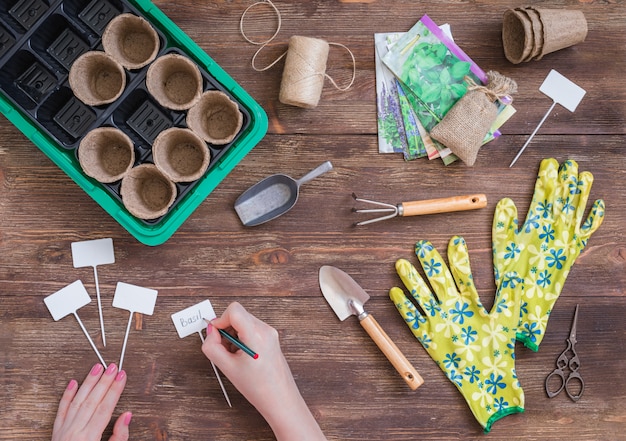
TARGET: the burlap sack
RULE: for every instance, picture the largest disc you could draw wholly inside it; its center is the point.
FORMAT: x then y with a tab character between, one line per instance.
464	127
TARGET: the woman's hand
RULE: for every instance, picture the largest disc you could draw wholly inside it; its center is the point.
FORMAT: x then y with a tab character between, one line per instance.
85	412
266	382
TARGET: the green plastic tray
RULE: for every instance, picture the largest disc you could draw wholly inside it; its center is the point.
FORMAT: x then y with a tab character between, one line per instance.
34	91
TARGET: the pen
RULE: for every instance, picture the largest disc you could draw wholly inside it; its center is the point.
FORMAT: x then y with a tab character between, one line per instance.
237	342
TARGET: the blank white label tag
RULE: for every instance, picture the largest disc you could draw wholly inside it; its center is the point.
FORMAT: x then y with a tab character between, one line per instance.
134	298
93	252
67	300
562	90
191	320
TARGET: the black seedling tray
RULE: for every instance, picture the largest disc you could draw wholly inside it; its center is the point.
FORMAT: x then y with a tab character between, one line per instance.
39	41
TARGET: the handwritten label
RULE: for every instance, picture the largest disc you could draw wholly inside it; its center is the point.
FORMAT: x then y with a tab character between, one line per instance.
191	320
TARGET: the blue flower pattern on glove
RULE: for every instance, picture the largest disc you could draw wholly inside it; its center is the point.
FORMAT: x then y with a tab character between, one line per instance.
537	258
475	348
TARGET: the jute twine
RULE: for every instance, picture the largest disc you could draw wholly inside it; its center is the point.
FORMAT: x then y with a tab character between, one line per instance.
305	66
498	87
466	124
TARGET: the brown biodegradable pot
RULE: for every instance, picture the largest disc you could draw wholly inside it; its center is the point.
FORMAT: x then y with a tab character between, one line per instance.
180	154
96	78
106	154
537	28
517	36
561	28
131	40
174	81
146	192
216	118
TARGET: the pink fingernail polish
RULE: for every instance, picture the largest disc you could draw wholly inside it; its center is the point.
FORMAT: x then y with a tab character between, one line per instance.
96	369
128	417
209	328
120	376
72	384
111	369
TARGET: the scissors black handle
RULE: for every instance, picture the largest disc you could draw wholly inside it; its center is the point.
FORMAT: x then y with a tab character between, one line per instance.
578	391
561	363
565	382
558	372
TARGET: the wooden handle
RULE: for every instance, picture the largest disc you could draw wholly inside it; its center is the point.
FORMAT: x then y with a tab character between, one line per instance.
444	205
391	351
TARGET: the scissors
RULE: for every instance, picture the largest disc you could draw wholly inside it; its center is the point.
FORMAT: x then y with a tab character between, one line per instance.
573	363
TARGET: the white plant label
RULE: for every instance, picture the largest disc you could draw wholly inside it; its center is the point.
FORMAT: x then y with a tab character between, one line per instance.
191	320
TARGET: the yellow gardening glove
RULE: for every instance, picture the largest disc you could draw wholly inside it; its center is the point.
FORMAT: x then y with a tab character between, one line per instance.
473	346
535	258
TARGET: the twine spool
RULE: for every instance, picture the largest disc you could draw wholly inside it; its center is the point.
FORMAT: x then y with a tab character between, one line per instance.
305	66
304	72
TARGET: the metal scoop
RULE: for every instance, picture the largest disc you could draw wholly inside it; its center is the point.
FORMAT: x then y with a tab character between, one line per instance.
273	196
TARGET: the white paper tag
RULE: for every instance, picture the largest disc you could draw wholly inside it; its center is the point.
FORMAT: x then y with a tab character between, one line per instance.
93	252
134	298
562	90
191	320
67	300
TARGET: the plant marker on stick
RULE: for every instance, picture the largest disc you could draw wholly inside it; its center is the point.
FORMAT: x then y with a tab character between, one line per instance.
94	253
192	320
67	301
134	299
563	92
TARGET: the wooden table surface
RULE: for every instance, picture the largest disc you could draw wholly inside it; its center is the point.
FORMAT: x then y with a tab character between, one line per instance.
273	269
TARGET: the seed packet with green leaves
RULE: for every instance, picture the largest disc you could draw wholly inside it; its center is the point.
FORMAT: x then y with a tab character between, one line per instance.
429	69
433	148
432	69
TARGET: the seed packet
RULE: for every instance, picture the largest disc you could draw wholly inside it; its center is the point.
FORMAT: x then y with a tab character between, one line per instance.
392	136
431	69
415	144
399	129
428	69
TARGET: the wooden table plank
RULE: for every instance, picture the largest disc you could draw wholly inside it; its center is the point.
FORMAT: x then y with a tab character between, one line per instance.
272	269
